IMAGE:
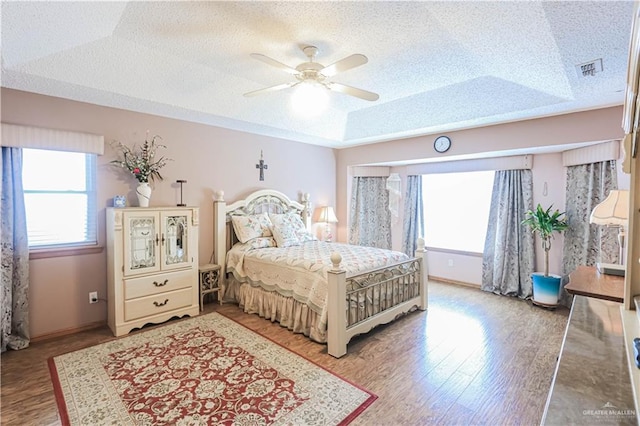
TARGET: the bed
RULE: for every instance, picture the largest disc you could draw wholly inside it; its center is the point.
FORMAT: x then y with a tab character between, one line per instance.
272	266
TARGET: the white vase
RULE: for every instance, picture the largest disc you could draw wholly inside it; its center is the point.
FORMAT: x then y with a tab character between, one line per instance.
143	191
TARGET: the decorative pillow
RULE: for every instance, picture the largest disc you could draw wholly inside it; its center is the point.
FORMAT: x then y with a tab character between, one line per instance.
252	226
304	235
294	221
291	218
262	242
284	232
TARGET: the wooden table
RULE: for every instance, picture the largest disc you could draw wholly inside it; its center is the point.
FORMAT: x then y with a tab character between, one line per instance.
587	281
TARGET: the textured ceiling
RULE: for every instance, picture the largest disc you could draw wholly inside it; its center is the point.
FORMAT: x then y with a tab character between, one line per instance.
437	66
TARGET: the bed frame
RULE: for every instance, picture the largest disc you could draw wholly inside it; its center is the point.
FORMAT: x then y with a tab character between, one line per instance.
407	281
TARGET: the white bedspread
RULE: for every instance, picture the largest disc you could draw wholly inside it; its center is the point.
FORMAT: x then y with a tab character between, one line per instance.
300	271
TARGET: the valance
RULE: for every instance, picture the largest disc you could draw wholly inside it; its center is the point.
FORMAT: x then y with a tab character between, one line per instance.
515	162
605	151
370	171
60	140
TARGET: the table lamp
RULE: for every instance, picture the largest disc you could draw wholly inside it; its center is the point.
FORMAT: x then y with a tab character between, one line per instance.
327	215
613	211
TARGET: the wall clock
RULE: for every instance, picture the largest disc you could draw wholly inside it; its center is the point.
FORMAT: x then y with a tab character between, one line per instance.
442	144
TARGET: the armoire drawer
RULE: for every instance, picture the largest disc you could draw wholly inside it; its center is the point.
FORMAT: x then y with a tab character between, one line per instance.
156	284
157	304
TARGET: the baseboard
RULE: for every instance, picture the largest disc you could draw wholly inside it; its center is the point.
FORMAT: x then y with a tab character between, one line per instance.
68	331
450	281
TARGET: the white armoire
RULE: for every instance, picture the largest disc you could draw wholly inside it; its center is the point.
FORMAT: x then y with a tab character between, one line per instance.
152	265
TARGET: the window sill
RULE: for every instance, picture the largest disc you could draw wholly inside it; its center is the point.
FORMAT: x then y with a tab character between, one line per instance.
460	252
66	251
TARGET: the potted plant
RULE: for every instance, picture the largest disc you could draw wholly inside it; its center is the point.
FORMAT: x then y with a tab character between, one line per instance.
546	287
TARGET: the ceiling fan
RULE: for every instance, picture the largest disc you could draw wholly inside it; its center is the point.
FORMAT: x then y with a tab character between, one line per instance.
315	73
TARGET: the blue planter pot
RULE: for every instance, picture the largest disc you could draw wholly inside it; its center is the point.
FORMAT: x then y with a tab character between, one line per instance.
546	290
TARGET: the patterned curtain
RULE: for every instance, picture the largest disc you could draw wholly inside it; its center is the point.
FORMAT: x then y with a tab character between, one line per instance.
14	254
509	253
584	243
413	215
370	219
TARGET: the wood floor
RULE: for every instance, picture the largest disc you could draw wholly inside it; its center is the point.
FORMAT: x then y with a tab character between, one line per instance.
473	358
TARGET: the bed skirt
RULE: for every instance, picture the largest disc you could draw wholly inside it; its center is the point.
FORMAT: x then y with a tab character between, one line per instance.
271	305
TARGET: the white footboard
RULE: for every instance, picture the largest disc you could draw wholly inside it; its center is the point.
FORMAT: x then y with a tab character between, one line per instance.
359	303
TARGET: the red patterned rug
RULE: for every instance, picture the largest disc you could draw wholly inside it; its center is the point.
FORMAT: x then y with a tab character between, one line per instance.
208	370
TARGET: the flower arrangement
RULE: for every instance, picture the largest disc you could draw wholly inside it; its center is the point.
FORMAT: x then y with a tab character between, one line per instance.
140	161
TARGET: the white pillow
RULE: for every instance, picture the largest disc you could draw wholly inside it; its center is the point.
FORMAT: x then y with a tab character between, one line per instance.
304	235
262	242
252	226
294	220
284	231
291	218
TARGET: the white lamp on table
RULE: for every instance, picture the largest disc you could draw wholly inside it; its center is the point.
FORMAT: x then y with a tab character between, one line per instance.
327	215
613	211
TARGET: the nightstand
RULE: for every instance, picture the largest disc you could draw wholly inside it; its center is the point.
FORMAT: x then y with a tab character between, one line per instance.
209	281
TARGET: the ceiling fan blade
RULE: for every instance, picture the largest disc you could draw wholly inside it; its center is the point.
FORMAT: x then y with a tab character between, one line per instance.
267	60
353	91
344	64
271	89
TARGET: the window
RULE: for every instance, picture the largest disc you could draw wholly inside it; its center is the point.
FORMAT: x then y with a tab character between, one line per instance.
456	209
60	198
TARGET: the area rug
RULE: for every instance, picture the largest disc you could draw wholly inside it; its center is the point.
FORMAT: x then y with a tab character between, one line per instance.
207	370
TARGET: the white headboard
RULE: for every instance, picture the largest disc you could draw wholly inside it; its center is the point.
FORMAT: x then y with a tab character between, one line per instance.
264	200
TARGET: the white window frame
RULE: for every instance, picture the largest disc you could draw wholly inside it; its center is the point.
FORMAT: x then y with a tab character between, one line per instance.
91	231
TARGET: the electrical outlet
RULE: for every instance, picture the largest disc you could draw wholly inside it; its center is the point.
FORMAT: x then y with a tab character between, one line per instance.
93	297
450	262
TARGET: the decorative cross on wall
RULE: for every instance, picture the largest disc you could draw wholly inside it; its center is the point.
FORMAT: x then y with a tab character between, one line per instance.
261	166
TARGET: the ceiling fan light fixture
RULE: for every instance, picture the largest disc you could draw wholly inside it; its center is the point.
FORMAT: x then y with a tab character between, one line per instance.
310	98
311	72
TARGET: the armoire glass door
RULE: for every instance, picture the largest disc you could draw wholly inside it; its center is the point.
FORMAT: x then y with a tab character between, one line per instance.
175	240
141	243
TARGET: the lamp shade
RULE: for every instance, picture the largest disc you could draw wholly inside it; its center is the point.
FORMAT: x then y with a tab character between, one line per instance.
614	210
327	215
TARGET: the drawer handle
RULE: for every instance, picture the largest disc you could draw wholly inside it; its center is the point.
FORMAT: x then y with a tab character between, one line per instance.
158	304
157	284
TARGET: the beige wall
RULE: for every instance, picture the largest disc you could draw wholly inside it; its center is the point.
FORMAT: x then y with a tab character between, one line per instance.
588	126
209	158
212	158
